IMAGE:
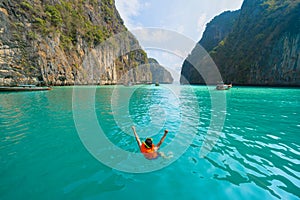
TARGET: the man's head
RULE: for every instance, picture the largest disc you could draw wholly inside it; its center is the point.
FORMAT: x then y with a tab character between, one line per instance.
148	143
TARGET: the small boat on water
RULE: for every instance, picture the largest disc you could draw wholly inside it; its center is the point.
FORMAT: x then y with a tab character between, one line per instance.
222	86
21	88
157	84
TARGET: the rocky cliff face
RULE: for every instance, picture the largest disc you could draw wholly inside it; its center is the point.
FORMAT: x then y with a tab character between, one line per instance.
218	29
159	73
66	42
263	47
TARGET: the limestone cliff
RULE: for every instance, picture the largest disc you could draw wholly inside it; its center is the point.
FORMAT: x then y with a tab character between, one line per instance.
218	29
66	42
159	73
262	48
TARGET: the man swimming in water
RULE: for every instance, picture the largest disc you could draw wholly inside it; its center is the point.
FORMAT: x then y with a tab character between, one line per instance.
147	147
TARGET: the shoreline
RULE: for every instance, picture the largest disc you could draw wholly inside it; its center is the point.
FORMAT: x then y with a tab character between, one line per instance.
251	85
208	85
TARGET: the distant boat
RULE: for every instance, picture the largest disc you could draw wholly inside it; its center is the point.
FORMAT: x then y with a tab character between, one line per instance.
21	88
222	86
157	84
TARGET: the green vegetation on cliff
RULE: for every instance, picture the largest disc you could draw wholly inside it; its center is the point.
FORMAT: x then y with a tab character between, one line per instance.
218	29
57	42
262	47
70	19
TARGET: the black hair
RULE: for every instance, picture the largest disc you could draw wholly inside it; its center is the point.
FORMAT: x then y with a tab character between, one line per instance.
148	142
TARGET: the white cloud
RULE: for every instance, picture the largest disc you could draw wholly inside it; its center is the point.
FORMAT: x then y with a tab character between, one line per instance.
147	4
168	40
185	17
201	23
151	35
180	29
129	9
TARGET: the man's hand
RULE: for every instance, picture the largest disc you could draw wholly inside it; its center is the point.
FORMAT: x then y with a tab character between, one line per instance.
136	136
162	139
166	132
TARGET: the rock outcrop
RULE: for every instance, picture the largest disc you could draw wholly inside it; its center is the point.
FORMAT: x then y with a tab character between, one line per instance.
67	42
261	48
159	73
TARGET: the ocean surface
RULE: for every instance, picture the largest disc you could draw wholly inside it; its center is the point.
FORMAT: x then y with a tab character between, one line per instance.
77	143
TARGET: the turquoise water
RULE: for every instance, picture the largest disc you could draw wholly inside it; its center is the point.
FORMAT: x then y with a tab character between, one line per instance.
256	156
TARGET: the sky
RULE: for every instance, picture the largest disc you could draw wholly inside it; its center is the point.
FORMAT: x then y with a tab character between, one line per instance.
187	18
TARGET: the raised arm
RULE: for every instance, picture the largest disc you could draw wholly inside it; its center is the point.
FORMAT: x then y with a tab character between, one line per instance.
136	136
162	139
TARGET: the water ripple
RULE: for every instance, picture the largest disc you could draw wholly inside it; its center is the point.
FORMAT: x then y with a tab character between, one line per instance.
256	155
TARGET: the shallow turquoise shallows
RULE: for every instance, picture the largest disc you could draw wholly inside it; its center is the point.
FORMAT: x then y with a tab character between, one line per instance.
43	154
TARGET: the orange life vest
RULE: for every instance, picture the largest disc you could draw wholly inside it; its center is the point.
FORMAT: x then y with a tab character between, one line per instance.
149	153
